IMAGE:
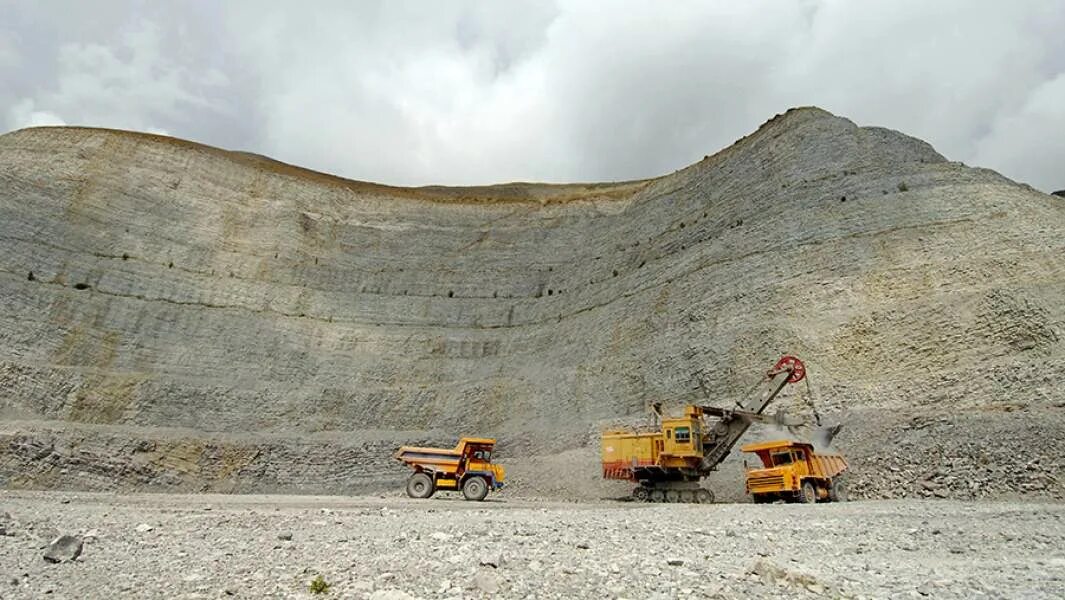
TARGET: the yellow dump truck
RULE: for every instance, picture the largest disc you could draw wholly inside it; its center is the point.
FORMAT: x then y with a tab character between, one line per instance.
467	467
794	472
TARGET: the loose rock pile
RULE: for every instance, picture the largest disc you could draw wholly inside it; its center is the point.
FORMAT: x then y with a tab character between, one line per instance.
962	458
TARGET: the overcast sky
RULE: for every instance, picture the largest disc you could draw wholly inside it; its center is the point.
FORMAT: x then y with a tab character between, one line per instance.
461	92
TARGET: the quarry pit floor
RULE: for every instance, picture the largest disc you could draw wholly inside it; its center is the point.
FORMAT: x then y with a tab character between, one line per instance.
219	546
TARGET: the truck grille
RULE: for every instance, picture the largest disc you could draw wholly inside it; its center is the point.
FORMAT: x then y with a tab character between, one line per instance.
772	482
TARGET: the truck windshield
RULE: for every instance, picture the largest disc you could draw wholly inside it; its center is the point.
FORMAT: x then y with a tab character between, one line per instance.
485	455
781	458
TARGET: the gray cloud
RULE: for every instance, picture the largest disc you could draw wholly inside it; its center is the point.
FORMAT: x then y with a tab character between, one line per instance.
464	92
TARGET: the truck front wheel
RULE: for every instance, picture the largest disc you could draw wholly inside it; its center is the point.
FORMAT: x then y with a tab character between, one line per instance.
420	485
475	488
808	495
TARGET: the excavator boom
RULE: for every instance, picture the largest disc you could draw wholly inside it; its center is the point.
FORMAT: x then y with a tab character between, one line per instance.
733	423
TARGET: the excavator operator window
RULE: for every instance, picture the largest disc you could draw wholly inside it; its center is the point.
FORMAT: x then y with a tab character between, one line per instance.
683	436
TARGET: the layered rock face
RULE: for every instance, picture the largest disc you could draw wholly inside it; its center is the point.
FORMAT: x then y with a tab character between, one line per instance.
181	317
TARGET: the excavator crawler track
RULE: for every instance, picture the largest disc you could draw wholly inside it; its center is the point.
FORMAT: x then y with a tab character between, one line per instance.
673	496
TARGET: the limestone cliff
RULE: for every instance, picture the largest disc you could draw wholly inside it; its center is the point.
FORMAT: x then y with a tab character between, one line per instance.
184	317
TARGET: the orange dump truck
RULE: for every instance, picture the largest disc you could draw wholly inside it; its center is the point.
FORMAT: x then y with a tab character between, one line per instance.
794	472
467	467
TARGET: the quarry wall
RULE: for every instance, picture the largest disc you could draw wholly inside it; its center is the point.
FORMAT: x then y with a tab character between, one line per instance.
177	316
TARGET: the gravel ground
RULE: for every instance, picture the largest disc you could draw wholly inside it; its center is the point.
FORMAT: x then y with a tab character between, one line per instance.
209	546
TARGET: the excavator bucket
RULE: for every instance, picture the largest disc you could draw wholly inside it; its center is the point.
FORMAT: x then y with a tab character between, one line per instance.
784	420
823	436
819	436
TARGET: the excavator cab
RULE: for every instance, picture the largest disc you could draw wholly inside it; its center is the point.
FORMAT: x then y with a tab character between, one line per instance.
684	435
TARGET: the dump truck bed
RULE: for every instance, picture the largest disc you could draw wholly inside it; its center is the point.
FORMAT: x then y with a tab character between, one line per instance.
822	464
828	465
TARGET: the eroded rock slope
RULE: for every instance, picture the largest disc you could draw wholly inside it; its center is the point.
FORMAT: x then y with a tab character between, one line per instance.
181	317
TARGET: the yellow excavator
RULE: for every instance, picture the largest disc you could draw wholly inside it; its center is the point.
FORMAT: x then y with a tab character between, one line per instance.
668	460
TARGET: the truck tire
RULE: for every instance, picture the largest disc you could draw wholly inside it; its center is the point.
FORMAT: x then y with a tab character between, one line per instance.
837	492
475	488
808	495
420	485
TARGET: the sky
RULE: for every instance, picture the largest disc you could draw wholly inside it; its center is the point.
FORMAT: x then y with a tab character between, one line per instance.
458	93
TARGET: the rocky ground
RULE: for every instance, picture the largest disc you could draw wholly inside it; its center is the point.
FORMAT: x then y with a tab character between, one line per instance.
212	546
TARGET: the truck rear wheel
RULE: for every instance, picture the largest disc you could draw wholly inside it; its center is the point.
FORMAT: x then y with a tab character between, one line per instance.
475	488
808	495
420	485
837	492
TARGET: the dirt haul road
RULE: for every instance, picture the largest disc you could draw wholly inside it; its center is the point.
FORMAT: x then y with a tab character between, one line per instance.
208	546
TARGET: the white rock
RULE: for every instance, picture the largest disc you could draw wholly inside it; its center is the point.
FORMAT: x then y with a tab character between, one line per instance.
63	548
486	581
391	594
361	586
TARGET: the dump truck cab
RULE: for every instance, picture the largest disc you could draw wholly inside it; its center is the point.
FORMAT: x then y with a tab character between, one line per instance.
794	471
478	459
467	467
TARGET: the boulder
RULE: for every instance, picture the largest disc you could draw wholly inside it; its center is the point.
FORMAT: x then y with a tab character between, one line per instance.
64	548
